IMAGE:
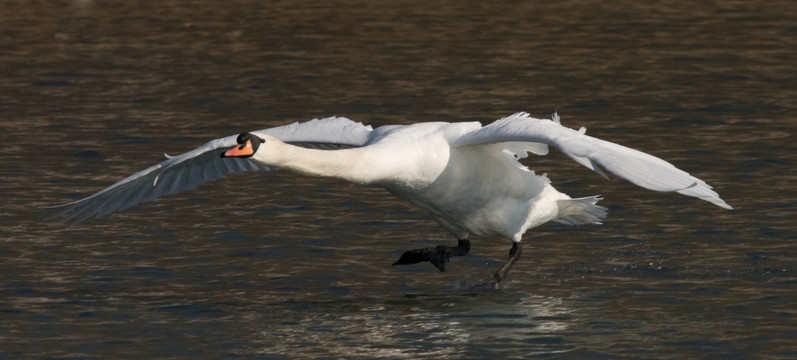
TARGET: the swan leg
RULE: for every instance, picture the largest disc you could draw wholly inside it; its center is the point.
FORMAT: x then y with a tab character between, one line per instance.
514	255
438	255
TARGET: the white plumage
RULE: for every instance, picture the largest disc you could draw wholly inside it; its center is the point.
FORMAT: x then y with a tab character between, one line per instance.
465	174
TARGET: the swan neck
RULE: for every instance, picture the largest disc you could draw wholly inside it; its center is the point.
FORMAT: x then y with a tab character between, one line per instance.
346	164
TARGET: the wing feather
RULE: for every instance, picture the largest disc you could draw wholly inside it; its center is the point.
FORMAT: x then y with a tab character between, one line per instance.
203	164
642	169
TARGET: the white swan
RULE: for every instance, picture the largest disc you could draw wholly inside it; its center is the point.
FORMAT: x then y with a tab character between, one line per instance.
465	174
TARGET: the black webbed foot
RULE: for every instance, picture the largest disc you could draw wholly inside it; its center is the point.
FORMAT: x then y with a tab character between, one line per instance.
438	256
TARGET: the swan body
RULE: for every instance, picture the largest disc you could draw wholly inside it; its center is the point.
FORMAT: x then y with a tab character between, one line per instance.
467	176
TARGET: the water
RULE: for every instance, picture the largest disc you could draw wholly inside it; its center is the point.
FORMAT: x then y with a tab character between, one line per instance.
281	266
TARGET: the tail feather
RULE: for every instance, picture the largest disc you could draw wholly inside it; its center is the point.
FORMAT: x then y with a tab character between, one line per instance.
581	211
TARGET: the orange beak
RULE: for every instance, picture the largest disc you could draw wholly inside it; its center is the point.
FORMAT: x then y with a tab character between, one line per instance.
243	151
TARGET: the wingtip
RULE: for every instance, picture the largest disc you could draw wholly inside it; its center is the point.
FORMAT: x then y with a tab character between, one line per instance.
721	203
60	215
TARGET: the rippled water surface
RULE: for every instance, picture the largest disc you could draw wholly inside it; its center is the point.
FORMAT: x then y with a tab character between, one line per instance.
283	266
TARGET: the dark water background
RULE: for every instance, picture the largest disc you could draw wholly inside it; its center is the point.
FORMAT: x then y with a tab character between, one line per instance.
282	266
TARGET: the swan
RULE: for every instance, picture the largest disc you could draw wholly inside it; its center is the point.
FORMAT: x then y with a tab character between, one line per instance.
467	176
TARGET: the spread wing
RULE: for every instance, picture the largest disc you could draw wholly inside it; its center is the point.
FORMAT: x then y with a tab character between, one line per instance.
642	169
191	169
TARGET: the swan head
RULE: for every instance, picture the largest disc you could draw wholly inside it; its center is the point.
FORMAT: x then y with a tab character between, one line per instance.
248	144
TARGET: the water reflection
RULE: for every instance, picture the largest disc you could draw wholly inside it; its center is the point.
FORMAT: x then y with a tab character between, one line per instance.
443	325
